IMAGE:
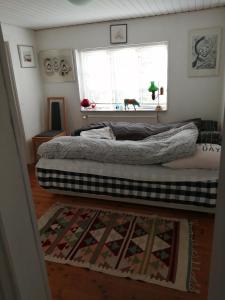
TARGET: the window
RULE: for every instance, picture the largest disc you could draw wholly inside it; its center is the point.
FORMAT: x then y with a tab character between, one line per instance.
108	76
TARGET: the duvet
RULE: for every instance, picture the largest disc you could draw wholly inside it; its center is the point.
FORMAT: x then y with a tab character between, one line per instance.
160	148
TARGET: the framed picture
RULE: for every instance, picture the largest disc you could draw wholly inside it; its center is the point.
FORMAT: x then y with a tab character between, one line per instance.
26	54
56	113
57	65
204	52
118	34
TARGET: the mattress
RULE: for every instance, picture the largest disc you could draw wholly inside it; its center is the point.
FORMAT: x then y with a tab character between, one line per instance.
150	182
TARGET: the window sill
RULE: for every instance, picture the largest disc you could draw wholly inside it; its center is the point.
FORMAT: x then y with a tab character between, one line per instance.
94	111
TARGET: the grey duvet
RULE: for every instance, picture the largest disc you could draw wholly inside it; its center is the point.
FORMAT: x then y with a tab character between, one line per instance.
160	148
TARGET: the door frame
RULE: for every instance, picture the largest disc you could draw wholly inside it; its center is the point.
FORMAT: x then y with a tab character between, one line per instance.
217	271
23	275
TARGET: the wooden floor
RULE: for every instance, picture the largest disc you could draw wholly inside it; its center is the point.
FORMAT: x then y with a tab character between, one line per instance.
73	283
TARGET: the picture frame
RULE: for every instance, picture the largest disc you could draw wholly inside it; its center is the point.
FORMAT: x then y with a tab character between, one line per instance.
118	34
57	114
204	52
57	66
26	55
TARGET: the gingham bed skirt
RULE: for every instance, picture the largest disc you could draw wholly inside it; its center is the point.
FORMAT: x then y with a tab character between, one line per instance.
197	193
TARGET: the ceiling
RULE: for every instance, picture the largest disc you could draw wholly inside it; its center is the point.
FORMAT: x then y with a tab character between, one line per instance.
39	14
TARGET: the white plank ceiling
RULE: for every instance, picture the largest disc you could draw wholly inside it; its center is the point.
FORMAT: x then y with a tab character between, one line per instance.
39	14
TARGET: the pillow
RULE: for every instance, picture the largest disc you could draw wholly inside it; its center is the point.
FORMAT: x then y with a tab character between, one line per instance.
207	156
137	131
89	127
210	137
102	133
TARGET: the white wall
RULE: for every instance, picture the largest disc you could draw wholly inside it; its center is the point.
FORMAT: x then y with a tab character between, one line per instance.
29	85
187	97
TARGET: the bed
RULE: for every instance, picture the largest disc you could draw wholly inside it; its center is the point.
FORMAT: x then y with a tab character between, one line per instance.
192	189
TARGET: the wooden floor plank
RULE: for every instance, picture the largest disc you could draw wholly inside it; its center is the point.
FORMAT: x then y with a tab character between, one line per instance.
71	283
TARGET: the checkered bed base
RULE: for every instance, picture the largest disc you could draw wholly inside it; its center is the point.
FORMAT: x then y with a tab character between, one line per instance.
194	193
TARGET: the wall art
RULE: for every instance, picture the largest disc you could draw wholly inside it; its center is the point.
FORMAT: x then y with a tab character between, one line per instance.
57	65
118	34
204	52
26	55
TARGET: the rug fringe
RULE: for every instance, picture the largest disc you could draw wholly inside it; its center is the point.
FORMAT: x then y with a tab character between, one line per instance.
51	211
144	278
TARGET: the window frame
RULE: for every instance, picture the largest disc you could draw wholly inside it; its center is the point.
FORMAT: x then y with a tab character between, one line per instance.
112	47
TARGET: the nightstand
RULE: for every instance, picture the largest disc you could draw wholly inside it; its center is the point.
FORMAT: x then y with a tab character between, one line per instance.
44	137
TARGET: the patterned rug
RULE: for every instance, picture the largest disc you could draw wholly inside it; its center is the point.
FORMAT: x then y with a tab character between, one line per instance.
142	247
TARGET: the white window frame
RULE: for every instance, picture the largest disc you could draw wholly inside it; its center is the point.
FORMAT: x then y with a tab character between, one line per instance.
80	76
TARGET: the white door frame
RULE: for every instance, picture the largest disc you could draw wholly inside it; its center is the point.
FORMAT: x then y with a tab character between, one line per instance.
8	285
23	274
217	273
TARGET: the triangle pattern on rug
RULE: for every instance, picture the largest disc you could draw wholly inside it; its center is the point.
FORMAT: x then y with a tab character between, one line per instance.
115	246
55	226
138	231
122	228
141	241
73	234
97	224
84	215
46	243
159	244
97	234
166	236
114	236
133	249
87	241
62	246
163	255
68	213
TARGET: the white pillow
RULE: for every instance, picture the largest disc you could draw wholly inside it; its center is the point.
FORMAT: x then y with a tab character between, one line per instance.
101	133
207	156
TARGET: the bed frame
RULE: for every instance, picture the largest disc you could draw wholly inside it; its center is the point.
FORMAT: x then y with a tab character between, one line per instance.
138	201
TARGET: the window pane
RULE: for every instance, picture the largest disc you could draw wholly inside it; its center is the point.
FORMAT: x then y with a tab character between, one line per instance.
96	76
153	67
125	74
